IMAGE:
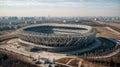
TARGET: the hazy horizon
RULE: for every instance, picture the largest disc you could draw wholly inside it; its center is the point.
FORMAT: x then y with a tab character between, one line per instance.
59	7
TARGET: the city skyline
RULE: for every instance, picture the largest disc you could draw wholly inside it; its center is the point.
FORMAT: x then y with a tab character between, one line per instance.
59	8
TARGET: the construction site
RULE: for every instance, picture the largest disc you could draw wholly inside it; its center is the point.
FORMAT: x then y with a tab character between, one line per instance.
103	51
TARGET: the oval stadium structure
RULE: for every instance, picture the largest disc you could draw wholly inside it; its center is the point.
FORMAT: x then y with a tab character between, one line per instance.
57	37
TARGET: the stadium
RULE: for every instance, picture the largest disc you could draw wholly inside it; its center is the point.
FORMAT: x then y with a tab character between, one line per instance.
53	37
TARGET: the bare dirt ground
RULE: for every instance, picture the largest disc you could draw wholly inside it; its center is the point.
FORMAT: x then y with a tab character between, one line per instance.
12	41
114	24
5	32
77	62
104	32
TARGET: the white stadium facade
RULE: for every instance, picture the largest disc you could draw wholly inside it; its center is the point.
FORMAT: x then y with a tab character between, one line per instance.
54	37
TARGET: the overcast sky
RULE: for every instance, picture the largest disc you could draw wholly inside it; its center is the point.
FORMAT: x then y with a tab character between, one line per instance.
60	7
